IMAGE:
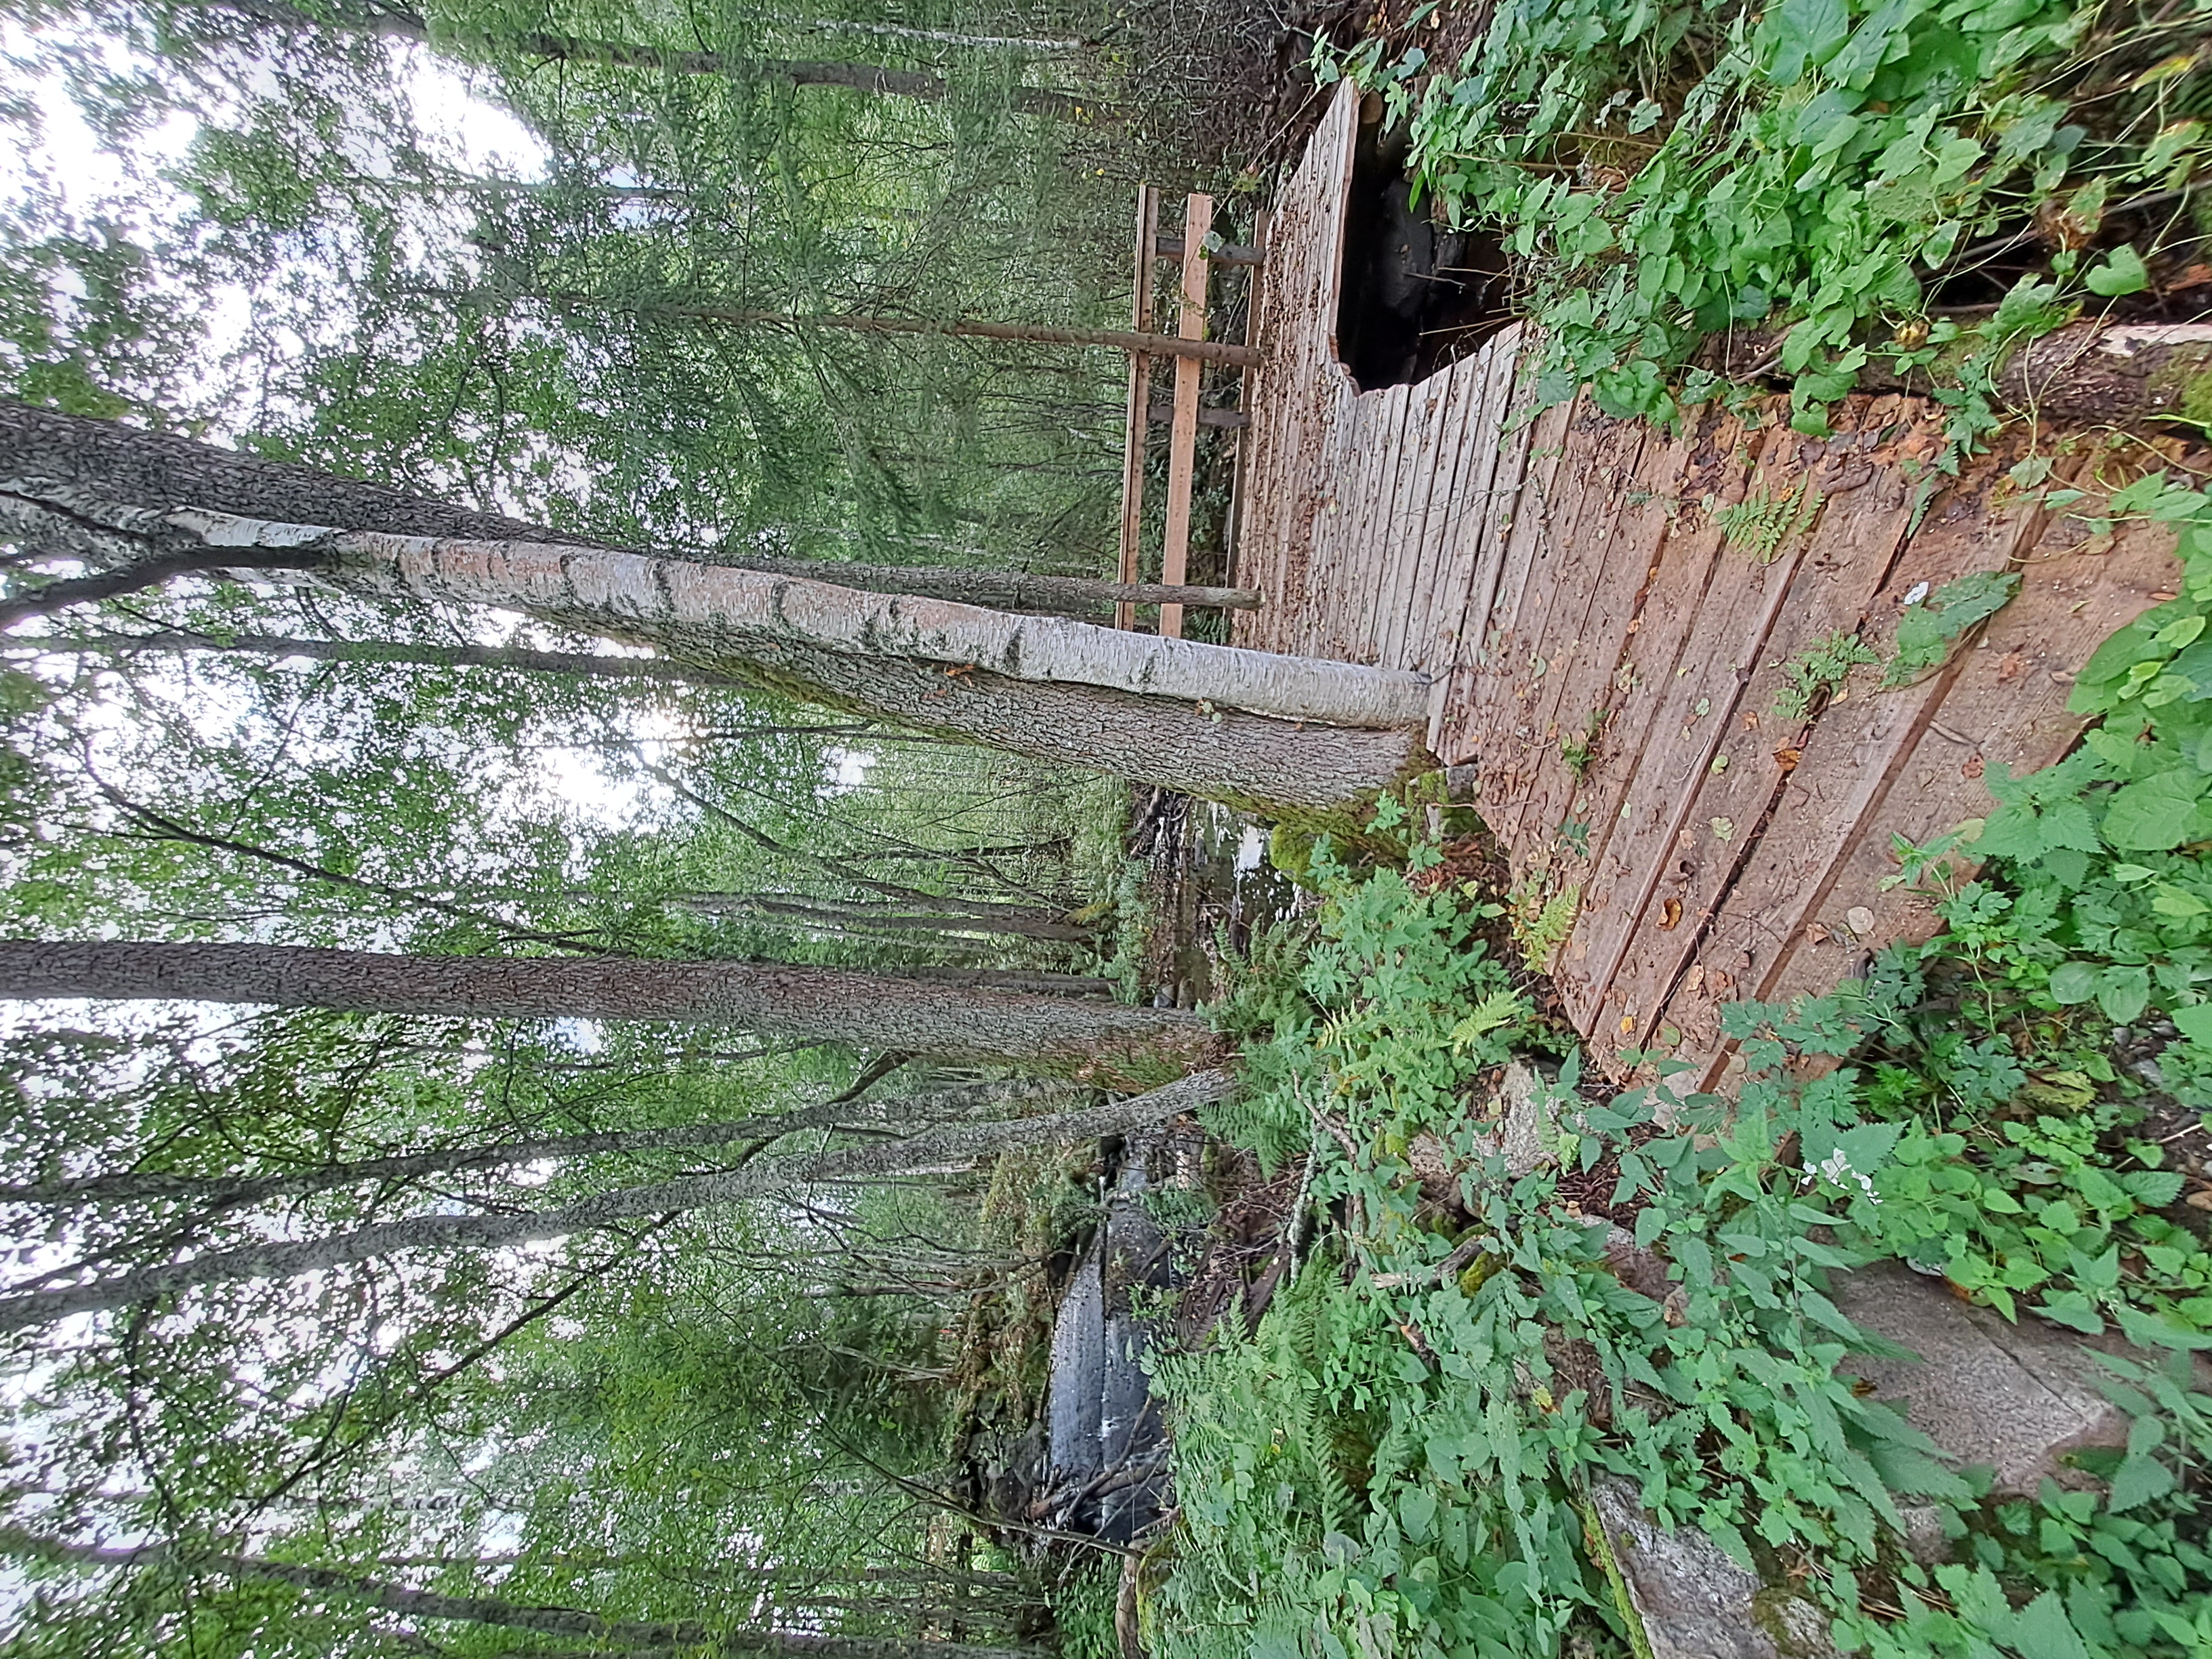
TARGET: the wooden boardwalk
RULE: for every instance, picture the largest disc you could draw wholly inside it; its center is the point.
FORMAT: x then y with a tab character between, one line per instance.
1607	610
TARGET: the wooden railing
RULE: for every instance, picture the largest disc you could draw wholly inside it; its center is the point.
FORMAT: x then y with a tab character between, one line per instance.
1185	411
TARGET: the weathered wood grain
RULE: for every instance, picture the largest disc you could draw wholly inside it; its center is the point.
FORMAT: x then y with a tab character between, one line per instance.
1139	410
1845	769
1845	555
1720	848
1182	431
2004	708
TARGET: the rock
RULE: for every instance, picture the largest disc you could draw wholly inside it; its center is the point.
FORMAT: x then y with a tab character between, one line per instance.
1643	1271
1073	1396
1691	1600
1106	1471
2015	1398
1529	1137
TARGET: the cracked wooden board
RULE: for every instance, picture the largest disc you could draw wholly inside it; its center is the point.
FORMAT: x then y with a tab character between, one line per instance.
1864	515
2005	708
1666	582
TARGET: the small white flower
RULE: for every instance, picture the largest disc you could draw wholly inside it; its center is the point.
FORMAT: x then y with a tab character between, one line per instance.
1836	1169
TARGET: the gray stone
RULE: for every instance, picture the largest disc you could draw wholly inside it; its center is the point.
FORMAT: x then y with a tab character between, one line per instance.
1691	1600
2015	1398
1529	1139
1072	1402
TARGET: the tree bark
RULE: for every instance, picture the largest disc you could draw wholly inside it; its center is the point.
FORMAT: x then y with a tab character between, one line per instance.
2092	373
161	472
751	615
623	1633
1092	1040
1170	713
1117	339
225	1193
398	23
44	453
877	918
584	665
1005	590
951	1145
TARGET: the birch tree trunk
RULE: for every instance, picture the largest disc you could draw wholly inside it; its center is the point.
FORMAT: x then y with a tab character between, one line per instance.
949	1146
584	665
1091	1041
161	472
623	1634
1287	737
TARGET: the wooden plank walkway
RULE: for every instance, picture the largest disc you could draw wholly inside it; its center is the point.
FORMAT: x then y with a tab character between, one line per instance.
1608	613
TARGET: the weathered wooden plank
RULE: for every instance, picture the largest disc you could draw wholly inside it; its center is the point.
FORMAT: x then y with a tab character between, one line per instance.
1140	394
1382	539
1577	693
1523	611
1182	435
1342	454
1716	471
1845	767
2005	708
1602	454
1865	510
1406	626
1458	517
1499	442
1478	720
1239	496
1747	587
1458	491
1350	582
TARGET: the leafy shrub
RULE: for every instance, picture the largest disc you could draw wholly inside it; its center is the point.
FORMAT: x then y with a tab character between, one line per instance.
1667	171
1398	1461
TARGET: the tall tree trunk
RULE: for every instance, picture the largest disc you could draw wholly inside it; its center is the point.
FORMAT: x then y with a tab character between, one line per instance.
1146	706
584	665
1288	736
217	1193
952	1145
399	24
1098	1042
1116	339
161	472
944	37
2095	372
619	1633
876	918
1004	590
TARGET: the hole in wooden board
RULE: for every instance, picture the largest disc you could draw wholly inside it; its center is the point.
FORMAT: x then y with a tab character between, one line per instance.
1413	295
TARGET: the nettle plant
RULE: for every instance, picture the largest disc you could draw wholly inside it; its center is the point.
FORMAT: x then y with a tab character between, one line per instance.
1401	1459
1668	173
2096	895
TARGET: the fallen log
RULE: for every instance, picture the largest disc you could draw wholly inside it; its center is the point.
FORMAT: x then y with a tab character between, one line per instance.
2086	373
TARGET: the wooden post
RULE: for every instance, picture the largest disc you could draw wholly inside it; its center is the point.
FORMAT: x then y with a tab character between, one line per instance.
1183	435
1233	532
1140	397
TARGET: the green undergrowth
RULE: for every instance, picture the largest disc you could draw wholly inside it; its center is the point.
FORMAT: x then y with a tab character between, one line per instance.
1401	1460
1815	169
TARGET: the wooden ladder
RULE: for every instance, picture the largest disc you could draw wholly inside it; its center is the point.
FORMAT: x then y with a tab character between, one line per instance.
1183	414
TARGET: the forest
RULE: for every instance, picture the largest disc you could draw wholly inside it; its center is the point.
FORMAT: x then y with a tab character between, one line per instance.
649	1006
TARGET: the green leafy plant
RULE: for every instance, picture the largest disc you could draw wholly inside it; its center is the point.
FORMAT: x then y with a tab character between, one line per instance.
1933	622
1401	1459
1759	523
1814	672
1665	173
1541	918
1579	750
